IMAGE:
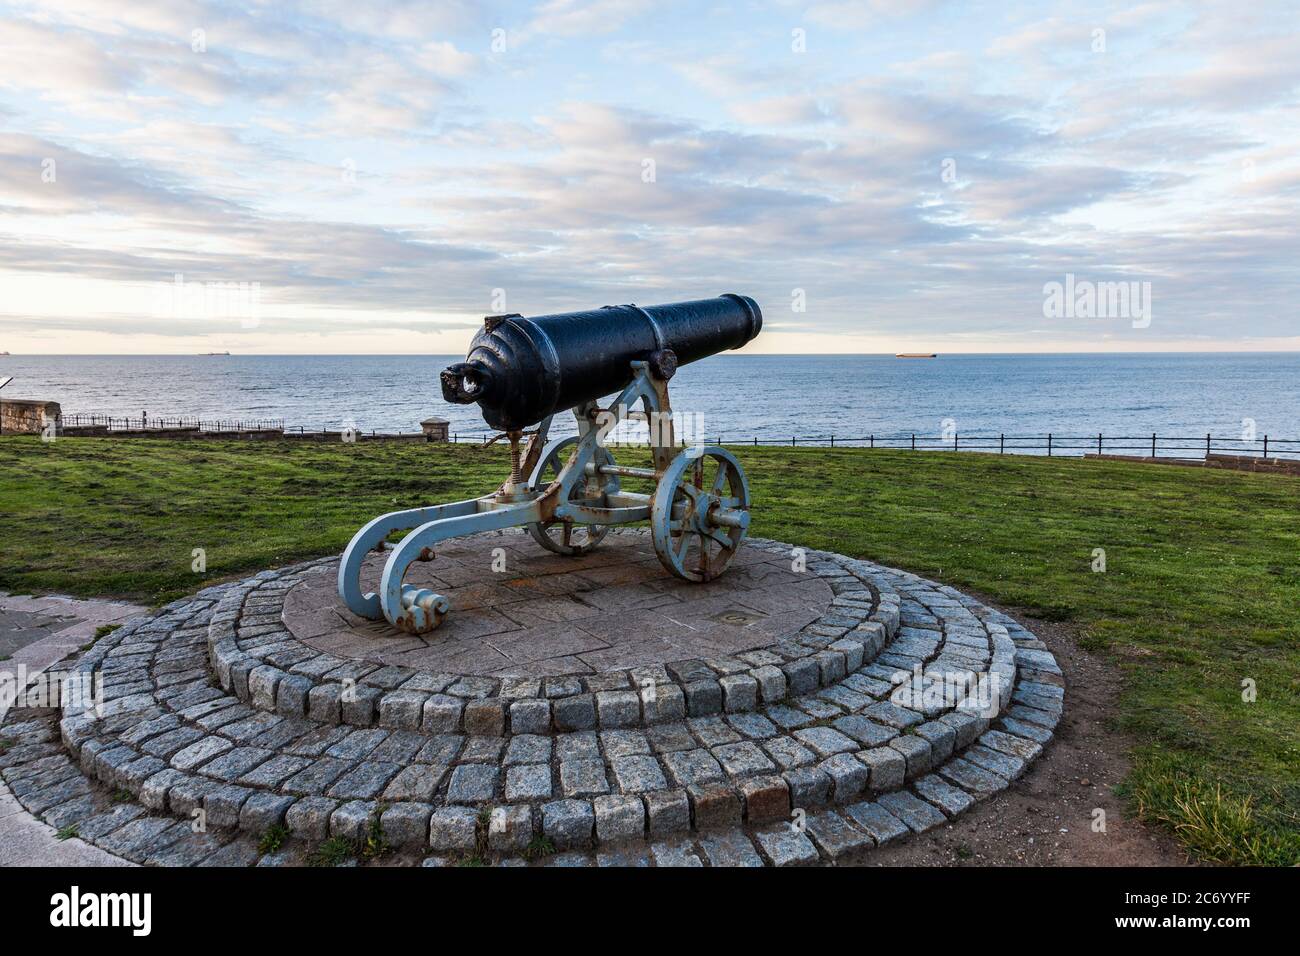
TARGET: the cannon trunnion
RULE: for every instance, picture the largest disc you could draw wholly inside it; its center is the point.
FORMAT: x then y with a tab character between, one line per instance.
569	492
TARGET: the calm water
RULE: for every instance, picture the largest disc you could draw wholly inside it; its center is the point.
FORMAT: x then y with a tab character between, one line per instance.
738	396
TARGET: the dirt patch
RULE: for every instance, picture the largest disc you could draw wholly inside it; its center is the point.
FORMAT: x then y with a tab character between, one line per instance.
1045	817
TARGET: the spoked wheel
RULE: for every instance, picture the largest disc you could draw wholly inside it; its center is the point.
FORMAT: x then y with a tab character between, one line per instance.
700	513
566	537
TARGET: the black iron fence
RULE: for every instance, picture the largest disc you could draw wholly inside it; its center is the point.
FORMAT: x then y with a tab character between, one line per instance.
1050	444
304	432
147	422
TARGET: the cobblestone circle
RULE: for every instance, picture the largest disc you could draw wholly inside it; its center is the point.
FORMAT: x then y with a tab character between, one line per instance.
796	633
903	704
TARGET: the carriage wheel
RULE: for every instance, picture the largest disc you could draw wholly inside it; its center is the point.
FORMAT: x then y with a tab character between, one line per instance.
700	513
566	537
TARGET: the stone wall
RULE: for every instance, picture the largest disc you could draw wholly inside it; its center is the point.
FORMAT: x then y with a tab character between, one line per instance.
1281	466
27	417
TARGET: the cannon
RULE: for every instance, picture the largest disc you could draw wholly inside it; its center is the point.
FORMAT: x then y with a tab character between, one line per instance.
568	492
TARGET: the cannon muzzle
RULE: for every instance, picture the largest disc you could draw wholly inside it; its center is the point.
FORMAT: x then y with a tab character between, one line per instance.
465	383
519	370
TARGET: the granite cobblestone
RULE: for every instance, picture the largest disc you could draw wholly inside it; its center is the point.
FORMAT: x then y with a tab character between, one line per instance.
271	750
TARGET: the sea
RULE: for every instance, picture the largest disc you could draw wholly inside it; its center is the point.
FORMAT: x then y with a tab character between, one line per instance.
807	399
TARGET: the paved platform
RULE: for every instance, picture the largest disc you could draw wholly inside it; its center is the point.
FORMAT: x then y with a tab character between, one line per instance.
294	649
900	705
518	611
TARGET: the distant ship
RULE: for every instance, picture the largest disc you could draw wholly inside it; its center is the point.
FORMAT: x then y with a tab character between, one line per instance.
4	353
916	355
214	353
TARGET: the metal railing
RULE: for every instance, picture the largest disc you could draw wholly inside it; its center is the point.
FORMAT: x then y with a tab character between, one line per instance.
1050	444
147	422
305	432
256	425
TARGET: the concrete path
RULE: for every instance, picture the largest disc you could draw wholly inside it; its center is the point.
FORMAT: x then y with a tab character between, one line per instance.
25	841
36	633
39	631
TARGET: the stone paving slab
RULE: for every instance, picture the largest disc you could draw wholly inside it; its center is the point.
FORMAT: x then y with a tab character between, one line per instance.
703	785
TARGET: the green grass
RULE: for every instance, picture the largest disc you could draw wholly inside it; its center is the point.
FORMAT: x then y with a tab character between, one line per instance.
539	847
273	838
375	844
1200	593
102	631
332	852
92	517
1217	827
336	850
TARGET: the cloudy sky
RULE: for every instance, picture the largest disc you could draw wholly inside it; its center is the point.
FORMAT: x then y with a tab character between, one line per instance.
880	176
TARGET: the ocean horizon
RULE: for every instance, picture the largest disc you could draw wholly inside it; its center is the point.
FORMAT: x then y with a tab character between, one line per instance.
732	397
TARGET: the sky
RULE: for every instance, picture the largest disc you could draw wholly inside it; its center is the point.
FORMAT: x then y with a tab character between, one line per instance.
375	177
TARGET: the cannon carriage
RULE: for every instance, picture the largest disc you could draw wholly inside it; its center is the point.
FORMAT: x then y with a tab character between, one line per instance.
568	492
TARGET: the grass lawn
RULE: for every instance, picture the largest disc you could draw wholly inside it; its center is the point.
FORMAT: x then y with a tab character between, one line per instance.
1201	589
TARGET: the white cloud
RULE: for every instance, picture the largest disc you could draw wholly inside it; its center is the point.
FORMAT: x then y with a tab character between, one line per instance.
1169	157
564	18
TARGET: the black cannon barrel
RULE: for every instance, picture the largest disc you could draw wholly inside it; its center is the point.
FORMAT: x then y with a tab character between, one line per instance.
521	370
